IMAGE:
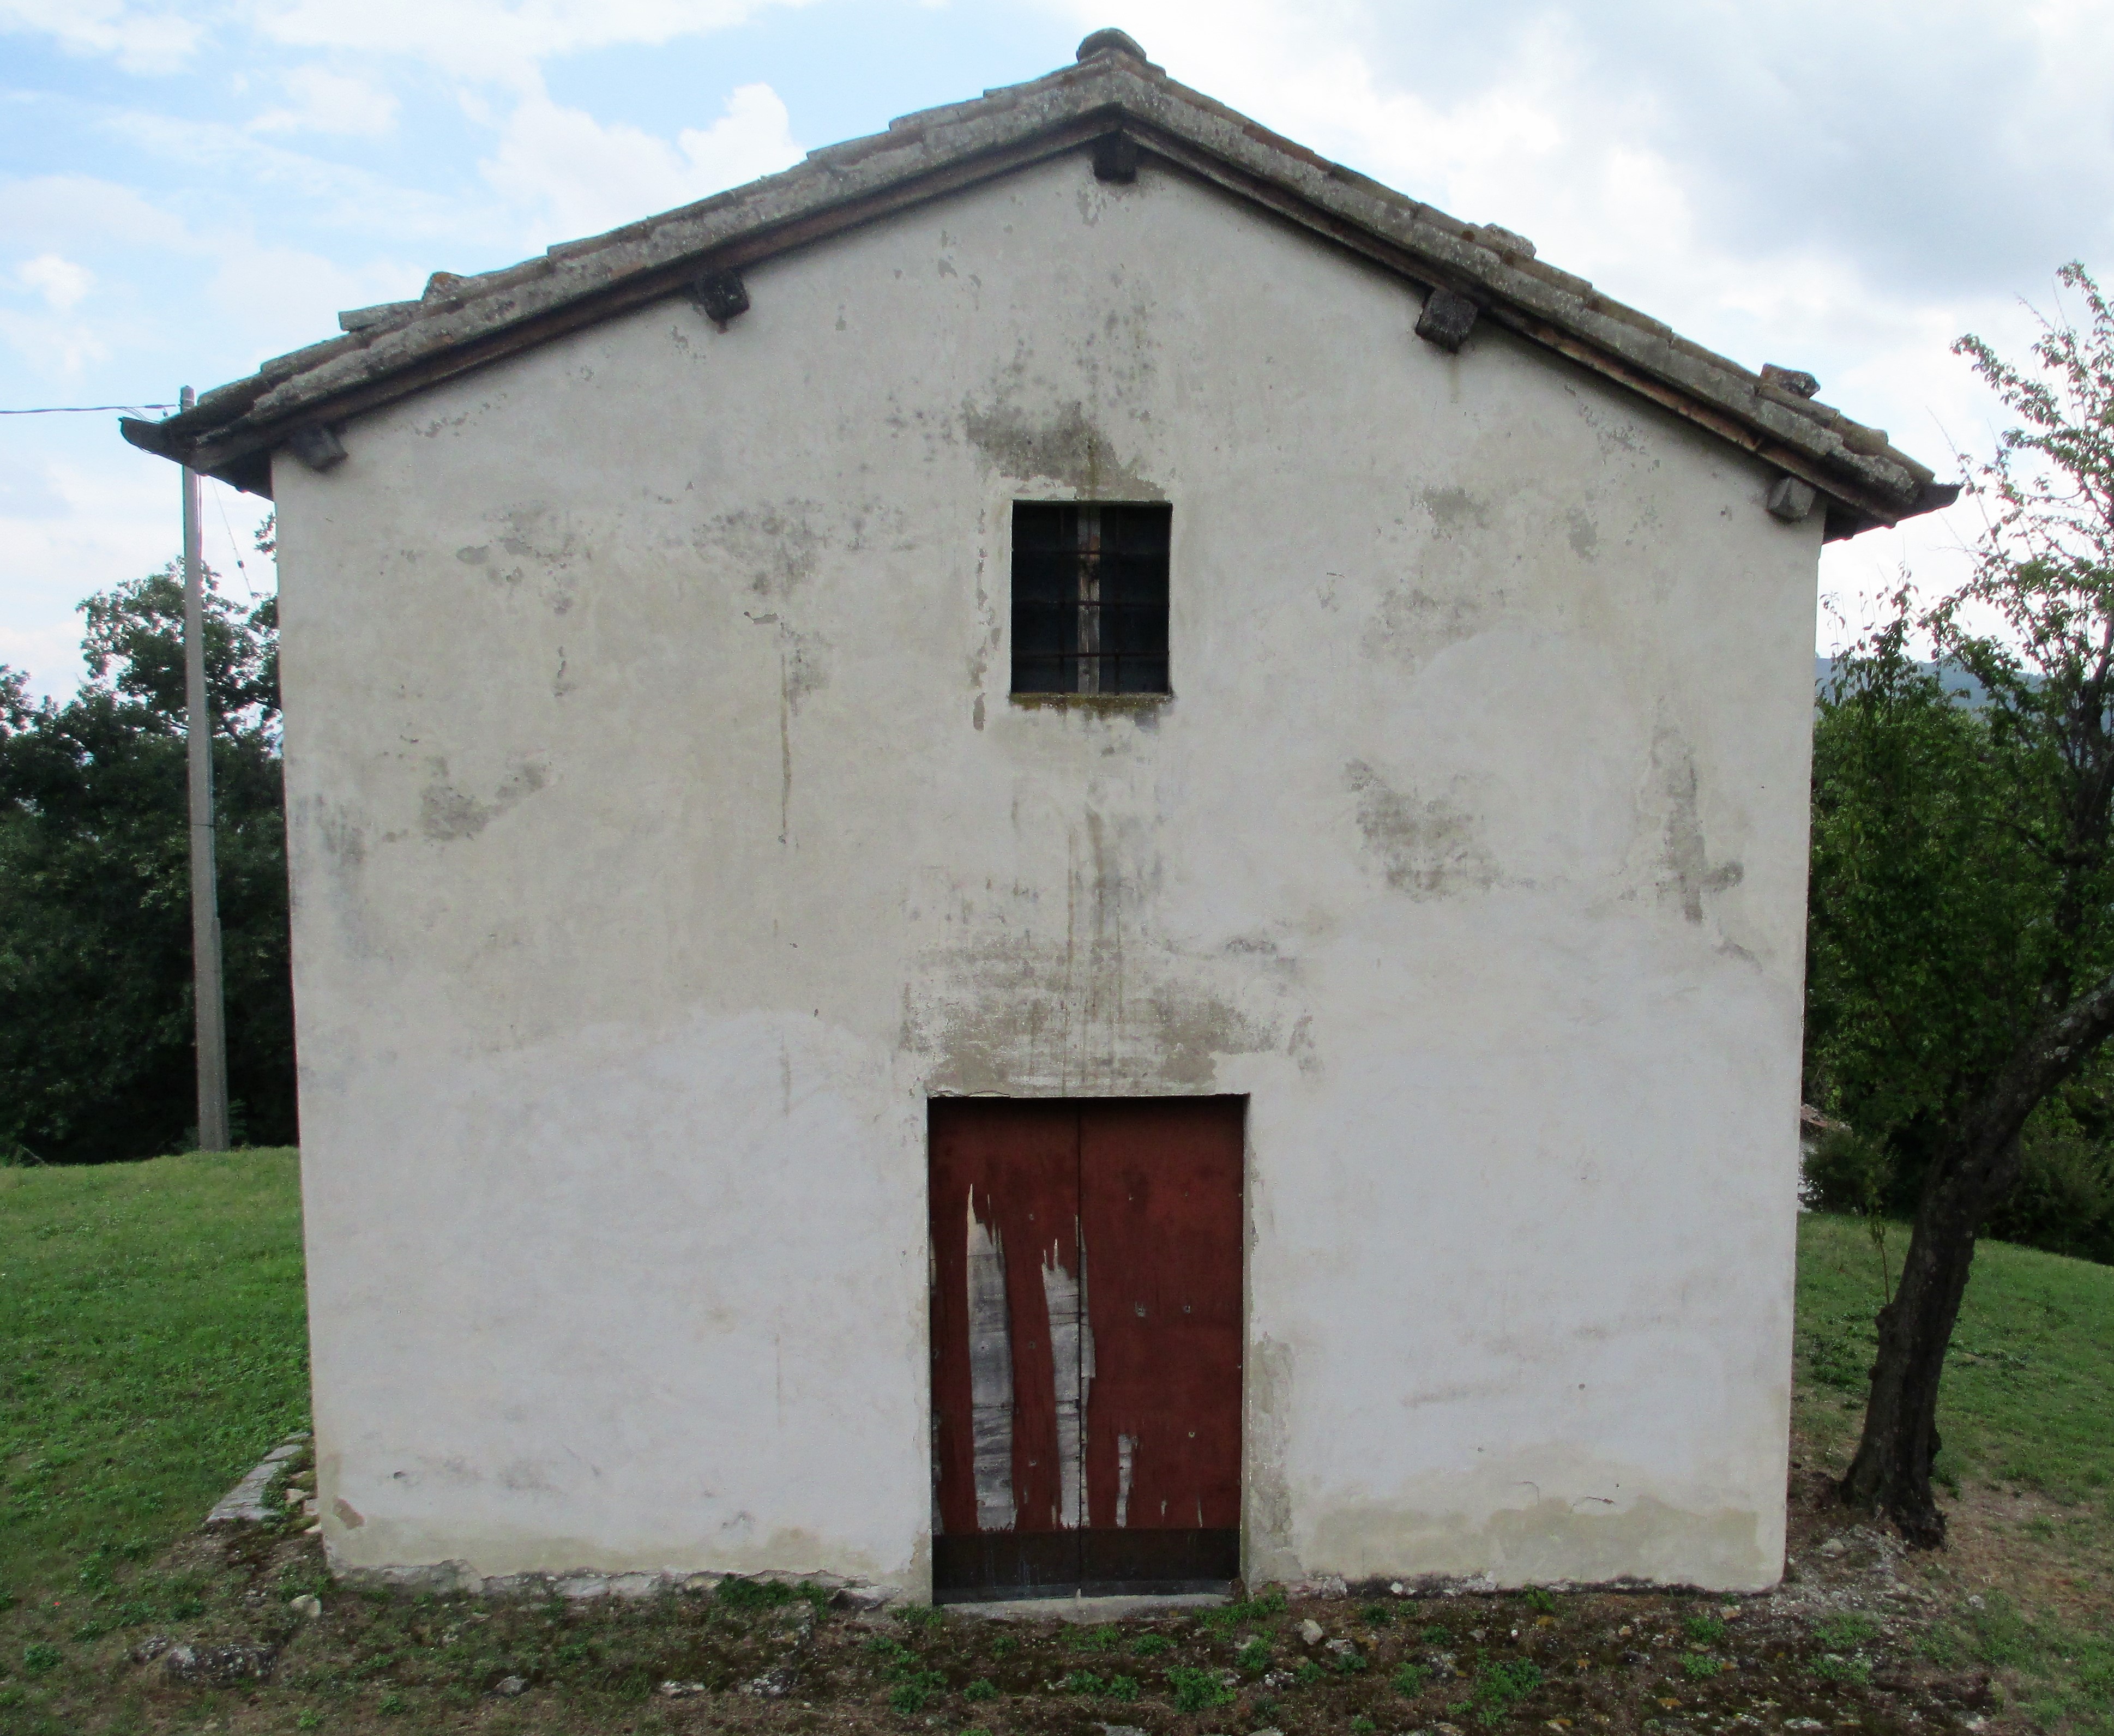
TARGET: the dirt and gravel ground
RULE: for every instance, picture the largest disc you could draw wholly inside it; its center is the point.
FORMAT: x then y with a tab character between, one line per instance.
219	1635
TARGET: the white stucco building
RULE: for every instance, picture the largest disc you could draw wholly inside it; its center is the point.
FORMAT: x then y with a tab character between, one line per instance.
1065	852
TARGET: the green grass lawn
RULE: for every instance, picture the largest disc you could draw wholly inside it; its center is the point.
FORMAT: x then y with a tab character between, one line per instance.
153	1346
2028	1396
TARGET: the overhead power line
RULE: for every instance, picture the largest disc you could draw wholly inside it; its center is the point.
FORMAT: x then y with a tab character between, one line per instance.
84	410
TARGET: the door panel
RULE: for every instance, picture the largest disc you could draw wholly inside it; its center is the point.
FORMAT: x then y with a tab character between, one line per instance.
1160	1219
1004	1205
1086	1334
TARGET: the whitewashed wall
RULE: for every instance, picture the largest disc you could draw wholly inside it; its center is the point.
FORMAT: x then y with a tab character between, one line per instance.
663	835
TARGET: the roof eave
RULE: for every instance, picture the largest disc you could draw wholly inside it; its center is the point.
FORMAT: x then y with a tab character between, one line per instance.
465	324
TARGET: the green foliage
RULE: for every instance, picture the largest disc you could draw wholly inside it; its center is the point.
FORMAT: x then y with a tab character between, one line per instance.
1197	1690
1436	1635
1363	1724
915	1691
1152	1645
979	1689
1700	1664
1254	1656
1501	1686
1540	1601
95	941
1094	1686
39	1656
1350	1663
1704	1630
1409	1679
1242	1611
1846	1628
1376	1615
1856	1671
1962	890
754	1594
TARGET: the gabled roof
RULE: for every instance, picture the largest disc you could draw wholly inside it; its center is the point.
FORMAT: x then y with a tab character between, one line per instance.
1112	95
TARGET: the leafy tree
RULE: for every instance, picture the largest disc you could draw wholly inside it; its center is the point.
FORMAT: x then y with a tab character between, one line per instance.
96	1044
1962	962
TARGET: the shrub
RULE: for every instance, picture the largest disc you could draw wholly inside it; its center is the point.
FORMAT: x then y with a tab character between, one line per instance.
1409	1679
753	1594
1152	1645
1254	1656
1705	1630
2063	1200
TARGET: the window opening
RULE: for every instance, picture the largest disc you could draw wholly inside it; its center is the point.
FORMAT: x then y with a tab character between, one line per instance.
1090	597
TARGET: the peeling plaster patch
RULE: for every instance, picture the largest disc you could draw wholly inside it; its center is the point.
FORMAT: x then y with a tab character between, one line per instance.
1584	534
446	812
1062	1299
1429	848
990	1376
1689	873
1126	1454
1065	448
475	556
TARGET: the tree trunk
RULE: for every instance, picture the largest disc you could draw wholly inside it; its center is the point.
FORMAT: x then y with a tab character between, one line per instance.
1891	1473
1970	1170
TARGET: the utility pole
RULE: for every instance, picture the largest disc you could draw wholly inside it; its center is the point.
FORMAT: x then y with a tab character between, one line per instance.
205	897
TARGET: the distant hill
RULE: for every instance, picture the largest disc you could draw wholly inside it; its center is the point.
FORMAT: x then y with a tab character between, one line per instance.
1956	681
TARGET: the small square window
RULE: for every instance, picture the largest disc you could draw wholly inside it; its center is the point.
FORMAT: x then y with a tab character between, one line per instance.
1089	598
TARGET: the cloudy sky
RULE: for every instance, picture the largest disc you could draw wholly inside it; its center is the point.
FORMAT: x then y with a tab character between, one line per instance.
186	189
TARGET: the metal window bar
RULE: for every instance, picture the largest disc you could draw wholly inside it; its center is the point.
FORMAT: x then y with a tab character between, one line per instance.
1090	600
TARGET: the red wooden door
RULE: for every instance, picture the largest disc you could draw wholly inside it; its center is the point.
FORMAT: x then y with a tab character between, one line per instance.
1086	1335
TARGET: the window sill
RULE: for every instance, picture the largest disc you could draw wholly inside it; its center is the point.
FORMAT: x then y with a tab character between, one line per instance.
1089	702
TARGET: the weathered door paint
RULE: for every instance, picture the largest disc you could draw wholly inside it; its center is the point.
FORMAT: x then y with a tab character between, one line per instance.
1087	1333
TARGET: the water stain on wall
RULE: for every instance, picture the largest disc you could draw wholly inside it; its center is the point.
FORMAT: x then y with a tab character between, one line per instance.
1689	872
1014	1005
446	812
1267	1507
1428	847
1584	1540
1063	445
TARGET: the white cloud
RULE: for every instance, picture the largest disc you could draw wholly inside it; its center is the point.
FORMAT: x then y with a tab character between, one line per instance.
140	40
574	175
493	39
57	279
1850	213
326	101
